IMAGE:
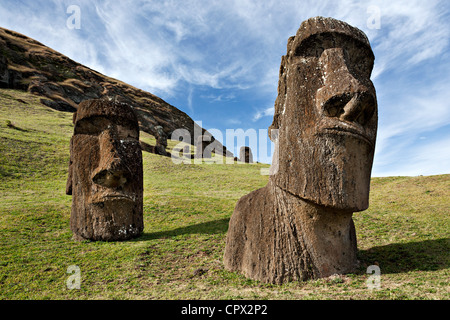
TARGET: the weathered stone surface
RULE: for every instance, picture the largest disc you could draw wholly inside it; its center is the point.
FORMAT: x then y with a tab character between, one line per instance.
300	225
105	172
202	151
246	155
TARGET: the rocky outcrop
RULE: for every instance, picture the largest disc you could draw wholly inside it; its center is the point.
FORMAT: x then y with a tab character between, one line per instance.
26	64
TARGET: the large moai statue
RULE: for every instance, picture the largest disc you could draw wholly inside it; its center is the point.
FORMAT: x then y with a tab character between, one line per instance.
246	155
300	225
105	172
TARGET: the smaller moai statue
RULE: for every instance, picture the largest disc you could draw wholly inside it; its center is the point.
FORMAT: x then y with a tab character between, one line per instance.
202	152
105	172
246	155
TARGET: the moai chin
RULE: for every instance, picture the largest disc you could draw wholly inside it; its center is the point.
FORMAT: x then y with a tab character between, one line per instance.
105	173
300	225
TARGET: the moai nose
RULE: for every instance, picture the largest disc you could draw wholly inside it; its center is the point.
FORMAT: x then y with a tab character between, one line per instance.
359	109
343	96
111	171
110	178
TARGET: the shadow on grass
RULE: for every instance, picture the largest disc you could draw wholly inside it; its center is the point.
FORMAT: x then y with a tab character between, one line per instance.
428	255
210	227
10	125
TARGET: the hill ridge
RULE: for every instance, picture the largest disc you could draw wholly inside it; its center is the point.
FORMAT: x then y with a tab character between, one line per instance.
63	83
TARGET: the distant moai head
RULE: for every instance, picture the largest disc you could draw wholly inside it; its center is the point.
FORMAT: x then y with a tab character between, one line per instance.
326	113
246	155
105	172
161	141
202	150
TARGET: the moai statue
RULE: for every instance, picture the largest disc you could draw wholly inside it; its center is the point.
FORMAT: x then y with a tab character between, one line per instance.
300	225
202	150
161	141
105	172
246	155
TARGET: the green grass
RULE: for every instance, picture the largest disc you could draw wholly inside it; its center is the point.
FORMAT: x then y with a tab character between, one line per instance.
186	211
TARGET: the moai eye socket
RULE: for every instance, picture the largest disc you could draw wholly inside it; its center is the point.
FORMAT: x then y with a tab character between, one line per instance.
359	60
92	125
127	133
96	125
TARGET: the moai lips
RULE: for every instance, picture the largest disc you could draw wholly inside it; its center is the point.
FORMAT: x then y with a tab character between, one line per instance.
300	225
105	172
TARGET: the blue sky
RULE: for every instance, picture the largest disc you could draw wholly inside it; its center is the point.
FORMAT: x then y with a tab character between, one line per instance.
218	61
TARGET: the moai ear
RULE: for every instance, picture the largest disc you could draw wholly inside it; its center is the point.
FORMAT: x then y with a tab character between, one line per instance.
69	177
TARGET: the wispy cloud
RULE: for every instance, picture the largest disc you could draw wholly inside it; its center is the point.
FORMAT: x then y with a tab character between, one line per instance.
233	121
220	97
222	44
427	158
267	112
189	100
409	34
404	120
228	44
188	49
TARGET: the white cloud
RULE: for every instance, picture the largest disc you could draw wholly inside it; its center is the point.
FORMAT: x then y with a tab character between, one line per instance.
406	120
264	113
224	44
409	34
428	159
189	99
220	97
418	111
233	121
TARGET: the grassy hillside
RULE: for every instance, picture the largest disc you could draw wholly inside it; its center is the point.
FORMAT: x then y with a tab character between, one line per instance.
186	211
